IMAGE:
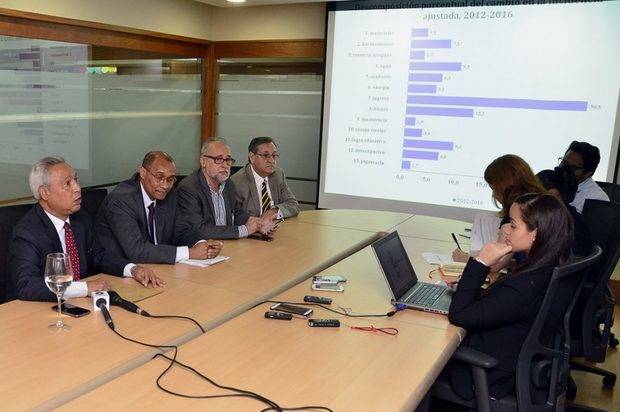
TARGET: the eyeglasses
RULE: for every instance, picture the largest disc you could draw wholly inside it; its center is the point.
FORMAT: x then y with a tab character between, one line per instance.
162	179
219	160
266	156
562	162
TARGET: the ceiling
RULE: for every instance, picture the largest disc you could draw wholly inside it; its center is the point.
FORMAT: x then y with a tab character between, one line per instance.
224	3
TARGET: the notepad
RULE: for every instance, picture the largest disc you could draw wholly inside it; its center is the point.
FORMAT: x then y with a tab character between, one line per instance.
206	262
436	258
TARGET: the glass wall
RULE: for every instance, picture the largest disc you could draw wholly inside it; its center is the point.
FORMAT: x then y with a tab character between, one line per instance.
101	108
280	98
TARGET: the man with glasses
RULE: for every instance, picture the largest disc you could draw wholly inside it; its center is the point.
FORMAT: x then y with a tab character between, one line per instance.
583	158
56	223
261	186
207	202
136	220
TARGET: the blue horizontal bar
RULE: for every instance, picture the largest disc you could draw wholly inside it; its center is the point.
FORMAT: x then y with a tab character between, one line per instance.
431	44
570	105
435	66
440	111
425	77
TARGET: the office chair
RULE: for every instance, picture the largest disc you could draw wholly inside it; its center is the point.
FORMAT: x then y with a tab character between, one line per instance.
612	190
542	365
9	216
91	200
593	316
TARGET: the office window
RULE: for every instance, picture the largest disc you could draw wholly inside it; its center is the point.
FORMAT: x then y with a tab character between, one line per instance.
280	98
99	107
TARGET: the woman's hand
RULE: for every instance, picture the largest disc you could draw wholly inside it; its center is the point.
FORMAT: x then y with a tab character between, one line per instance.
459	256
495	254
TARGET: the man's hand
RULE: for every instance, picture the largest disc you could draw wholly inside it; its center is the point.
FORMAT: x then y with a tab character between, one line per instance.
146	277
459	256
270	214
95	285
214	248
495	254
199	251
268	226
253	224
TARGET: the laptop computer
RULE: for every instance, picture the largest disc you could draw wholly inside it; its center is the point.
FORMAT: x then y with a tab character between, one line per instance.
403	282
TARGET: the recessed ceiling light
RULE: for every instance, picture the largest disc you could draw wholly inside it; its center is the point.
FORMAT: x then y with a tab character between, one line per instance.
236	1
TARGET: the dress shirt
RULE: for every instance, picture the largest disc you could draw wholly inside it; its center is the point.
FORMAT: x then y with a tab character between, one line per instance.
182	251
588	189
77	289
258	179
219	209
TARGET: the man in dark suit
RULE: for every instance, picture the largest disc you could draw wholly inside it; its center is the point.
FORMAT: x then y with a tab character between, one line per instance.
136	220
56	224
207	200
261	186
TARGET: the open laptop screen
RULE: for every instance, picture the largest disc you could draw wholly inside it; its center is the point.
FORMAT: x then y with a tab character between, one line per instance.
395	264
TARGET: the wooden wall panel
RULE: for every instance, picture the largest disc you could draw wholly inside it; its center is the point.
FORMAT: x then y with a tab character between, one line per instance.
269	48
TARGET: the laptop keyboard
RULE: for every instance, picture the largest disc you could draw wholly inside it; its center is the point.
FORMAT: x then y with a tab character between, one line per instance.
426	295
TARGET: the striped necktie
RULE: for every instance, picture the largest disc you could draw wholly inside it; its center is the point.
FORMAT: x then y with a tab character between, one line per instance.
72	251
265	200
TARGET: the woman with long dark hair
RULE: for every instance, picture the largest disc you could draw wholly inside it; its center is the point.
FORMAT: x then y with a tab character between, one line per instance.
499	318
509	177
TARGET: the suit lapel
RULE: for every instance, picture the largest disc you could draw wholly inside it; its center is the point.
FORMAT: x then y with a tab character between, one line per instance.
49	229
254	195
202	182
79	230
273	188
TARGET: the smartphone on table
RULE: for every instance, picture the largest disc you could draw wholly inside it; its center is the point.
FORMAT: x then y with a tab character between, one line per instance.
296	310
71	310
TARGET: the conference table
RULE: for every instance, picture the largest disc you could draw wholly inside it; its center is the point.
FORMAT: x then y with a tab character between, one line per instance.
331	367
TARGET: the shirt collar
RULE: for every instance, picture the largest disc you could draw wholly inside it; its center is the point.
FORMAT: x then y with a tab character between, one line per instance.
58	223
258	178
146	199
584	184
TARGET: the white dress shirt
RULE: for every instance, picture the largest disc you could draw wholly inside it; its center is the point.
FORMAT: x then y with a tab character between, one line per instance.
77	289
258	179
182	251
588	189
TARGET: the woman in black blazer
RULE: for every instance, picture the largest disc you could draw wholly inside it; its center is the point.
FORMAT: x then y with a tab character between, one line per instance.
499	318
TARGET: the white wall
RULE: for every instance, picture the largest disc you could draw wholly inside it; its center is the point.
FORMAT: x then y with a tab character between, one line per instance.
189	18
292	21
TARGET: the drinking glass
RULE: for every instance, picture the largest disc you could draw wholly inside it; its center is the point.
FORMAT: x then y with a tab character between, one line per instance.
58	277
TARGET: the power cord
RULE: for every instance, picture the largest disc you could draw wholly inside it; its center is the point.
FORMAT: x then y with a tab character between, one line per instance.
179	317
389	314
240	392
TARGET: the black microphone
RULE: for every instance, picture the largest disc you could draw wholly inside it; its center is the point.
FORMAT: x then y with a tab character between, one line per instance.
116	300
106	314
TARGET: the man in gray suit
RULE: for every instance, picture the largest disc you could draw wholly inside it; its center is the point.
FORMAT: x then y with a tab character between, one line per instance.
136	220
261	186
207	200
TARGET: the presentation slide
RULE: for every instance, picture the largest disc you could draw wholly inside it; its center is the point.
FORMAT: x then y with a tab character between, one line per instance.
419	101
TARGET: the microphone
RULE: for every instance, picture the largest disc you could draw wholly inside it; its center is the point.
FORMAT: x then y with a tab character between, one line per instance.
116	300
101	304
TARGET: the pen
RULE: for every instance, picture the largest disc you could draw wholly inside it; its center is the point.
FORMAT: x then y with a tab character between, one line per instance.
465	236
456	241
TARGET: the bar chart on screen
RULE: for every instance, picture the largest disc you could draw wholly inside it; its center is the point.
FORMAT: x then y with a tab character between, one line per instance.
420	101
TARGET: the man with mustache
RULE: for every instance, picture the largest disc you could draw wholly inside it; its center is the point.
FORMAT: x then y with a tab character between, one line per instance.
207	202
56	224
136	220
261	185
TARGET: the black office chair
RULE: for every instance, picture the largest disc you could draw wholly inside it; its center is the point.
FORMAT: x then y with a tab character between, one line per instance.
612	190
9	216
91	200
542	365
593	316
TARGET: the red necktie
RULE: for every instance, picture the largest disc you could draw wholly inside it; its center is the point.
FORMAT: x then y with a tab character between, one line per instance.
72	250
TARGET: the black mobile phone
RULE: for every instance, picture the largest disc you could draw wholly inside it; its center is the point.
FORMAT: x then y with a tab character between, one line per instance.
296	310
71	310
271	314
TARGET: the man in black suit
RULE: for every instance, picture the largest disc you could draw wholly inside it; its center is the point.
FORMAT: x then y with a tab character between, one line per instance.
56	224
207	201
136	220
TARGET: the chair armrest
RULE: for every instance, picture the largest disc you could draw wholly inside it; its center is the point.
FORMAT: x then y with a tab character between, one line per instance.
474	358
